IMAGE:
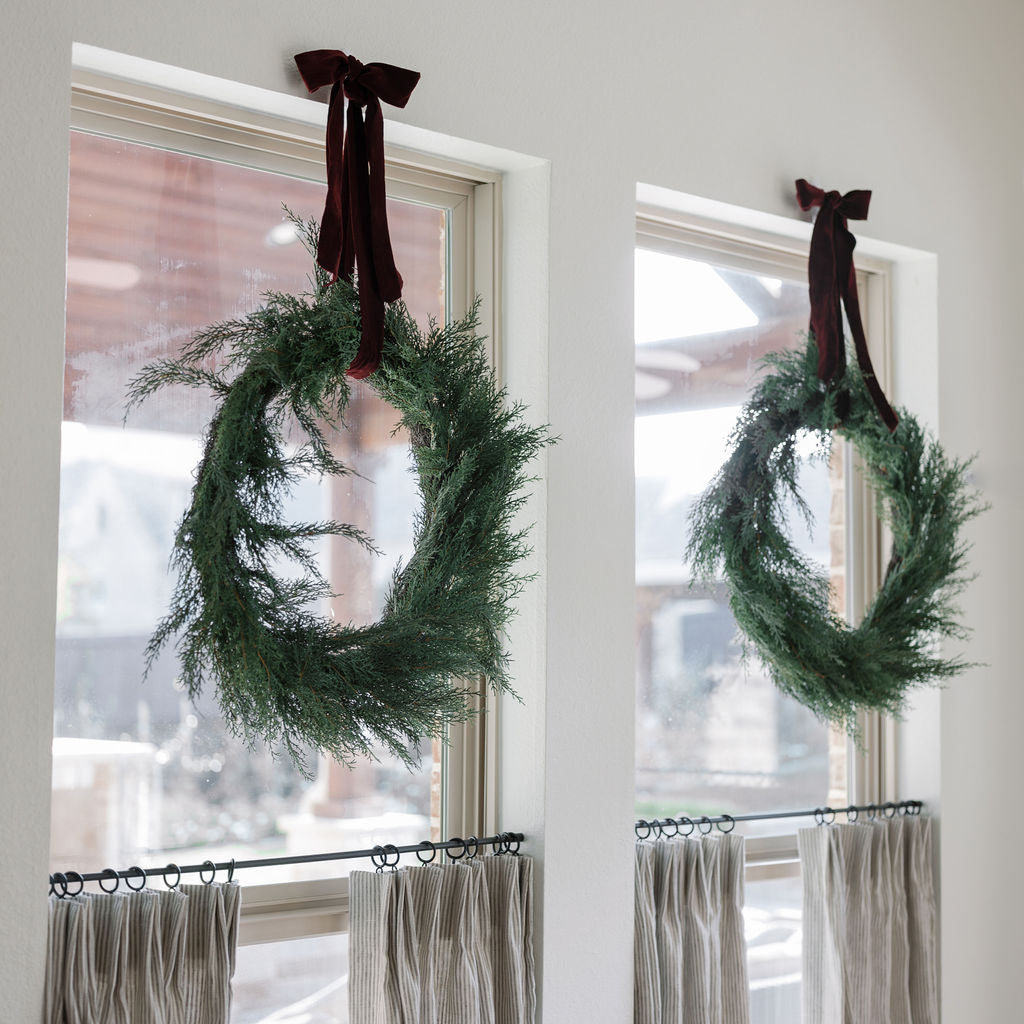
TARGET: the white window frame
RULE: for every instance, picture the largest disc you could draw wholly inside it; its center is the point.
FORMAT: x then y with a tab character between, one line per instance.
139	113
871	764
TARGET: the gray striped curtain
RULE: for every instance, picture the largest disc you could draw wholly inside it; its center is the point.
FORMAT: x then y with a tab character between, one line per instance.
869	950
449	944
690	953
142	958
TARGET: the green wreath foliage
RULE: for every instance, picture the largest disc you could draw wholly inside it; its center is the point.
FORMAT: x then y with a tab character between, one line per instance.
780	600
283	674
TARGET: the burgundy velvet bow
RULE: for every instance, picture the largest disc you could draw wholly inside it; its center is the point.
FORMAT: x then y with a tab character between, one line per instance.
833	284
354	228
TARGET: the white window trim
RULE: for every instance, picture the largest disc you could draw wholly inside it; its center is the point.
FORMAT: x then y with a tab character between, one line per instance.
110	106
871	764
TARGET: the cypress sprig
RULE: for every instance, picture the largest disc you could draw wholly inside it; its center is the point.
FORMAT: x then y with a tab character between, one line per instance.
781	601
283	675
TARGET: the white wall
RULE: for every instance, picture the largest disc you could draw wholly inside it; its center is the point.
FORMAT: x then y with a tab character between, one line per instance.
732	101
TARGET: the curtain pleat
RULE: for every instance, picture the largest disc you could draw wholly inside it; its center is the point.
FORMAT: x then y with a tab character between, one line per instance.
869	951
511	911
142	958
447	944
922	924
690	963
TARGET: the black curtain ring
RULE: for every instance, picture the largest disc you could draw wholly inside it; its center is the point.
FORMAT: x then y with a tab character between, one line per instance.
819	816
177	881
656	825
505	842
872	810
53	892
128	876
701	822
378	851
388	851
110	873
514	839
424	846
831	816
732	824
675	827
918	806
684	820
213	872
59	878
852	814
74	876
889	809
448	850
636	828
231	870
476	847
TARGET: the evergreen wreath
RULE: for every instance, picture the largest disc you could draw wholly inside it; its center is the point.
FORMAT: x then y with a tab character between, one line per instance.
780	600
283	674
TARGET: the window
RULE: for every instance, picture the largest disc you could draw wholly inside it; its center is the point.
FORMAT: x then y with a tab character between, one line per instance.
175	221
713	733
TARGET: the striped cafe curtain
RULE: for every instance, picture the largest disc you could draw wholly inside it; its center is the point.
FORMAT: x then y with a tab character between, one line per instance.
690	954
869	950
144	957
443	944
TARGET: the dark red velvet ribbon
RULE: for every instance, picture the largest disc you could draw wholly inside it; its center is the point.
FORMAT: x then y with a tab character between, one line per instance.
354	227
833	285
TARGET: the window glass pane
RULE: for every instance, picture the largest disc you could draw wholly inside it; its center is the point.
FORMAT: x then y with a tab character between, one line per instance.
160	244
301	981
774	936
713	733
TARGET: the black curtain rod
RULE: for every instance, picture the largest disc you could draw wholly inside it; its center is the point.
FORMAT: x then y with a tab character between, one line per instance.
822	815
381	856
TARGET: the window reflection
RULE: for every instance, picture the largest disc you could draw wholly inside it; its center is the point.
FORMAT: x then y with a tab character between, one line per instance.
713	733
160	244
301	981
774	934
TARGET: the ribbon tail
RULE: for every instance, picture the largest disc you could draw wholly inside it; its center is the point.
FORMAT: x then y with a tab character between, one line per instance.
332	224
371	344
389	280
351	210
827	328
860	344
823	288
371	306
